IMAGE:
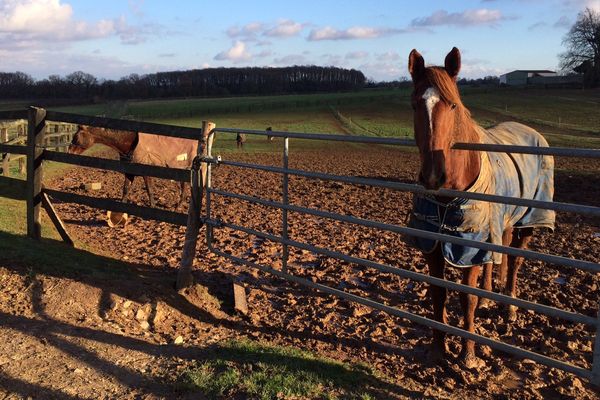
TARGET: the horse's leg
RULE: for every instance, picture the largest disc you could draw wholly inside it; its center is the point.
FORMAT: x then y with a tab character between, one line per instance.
182	186
486	284
148	182
503	269
126	186
436	263
520	241
469	305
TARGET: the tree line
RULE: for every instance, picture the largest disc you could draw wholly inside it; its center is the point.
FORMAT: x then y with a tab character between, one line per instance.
199	82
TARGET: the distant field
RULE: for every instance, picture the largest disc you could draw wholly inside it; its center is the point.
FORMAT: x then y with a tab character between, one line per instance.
558	113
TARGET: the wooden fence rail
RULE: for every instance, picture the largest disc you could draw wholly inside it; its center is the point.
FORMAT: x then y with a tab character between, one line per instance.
47	129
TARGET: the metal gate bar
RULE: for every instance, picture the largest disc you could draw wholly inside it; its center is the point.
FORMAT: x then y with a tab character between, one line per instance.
593	375
501	148
408	187
507	348
549	258
502	298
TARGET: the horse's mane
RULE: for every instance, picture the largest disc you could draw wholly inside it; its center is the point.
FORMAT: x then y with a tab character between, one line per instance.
446	86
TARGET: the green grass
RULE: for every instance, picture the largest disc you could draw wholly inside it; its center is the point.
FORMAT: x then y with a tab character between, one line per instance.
259	371
369	112
50	254
561	108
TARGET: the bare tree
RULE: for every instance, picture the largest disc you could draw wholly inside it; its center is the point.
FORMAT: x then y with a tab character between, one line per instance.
583	46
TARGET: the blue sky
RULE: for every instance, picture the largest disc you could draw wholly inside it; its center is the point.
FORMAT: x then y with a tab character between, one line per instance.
112	38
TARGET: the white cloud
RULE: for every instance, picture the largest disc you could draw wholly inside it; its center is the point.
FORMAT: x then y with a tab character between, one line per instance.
383	71
388	56
248	31
356	55
284	28
331	59
44	62
264	53
237	53
356	32
580	5
292	59
481	16
31	22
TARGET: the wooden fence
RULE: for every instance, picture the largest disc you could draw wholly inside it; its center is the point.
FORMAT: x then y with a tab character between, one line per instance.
36	148
58	136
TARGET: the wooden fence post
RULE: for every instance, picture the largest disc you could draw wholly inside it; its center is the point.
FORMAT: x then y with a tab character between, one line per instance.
184	276
36	129
5	157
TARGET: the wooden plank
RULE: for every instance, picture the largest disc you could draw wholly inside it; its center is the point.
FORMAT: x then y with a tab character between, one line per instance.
14	114
5	157
184	276
17	140
58	224
13	149
6	164
155	214
176	174
239	298
119	124
13	188
35	138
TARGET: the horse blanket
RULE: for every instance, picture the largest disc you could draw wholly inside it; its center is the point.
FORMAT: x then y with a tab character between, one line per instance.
514	175
164	151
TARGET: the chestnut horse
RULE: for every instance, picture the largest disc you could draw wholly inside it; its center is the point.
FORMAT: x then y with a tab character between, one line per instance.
141	148
440	120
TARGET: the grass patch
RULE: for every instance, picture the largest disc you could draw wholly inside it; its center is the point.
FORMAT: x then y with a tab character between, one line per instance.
245	368
49	254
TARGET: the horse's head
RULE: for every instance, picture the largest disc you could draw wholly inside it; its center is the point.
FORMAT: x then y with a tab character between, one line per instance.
82	140
437	113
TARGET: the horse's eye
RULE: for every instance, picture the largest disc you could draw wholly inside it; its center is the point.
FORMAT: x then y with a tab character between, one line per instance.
453	106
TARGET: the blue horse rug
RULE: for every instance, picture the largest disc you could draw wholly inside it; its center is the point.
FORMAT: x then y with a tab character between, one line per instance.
525	176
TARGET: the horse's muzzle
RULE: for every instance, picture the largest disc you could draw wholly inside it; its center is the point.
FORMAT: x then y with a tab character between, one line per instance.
433	182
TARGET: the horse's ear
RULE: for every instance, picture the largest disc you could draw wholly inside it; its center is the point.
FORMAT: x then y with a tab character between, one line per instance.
452	62
416	65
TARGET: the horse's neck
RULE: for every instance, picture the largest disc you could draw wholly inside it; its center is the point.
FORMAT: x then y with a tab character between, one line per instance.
121	141
465	164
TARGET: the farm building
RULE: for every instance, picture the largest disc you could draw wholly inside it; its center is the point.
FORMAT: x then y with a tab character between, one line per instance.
521	77
524	76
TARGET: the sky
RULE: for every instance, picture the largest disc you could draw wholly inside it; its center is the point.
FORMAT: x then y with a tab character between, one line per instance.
114	38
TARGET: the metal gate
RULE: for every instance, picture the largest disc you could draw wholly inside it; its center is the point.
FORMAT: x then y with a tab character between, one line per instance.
212	223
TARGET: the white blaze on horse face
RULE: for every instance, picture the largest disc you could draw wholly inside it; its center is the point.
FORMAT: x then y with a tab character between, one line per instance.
431	97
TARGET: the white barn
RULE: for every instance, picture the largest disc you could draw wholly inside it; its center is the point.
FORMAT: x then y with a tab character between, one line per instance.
524	76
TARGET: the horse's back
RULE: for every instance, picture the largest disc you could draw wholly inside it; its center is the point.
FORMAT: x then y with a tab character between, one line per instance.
165	150
514	133
528	176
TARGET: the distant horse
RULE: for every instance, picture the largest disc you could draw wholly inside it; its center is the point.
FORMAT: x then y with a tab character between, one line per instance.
269	137
138	147
440	120
240	139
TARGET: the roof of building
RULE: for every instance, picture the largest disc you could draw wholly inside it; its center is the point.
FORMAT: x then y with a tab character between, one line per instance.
535	71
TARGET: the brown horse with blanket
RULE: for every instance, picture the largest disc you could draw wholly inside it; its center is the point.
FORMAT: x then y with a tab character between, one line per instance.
139	147
440	120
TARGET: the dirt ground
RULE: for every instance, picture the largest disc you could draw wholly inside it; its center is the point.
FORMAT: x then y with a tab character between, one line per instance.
130	336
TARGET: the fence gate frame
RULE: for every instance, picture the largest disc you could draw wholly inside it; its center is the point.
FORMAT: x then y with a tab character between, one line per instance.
211	223
37	151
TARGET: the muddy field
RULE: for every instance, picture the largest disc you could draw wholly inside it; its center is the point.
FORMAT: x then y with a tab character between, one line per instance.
121	337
